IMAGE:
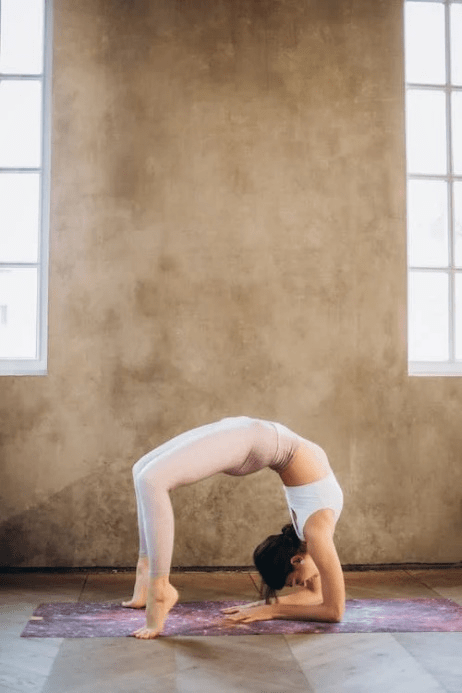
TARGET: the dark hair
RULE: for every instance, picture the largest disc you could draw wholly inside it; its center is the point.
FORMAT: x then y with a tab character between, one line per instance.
272	559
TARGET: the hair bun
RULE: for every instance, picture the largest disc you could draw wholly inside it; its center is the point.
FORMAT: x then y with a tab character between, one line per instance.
287	529
289	536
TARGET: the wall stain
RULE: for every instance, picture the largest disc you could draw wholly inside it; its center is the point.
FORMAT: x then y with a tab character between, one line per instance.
58	531
15	427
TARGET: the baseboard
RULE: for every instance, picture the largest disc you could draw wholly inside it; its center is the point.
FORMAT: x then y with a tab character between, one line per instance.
349	567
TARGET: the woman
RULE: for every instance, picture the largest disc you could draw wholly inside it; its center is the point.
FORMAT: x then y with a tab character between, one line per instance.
302	555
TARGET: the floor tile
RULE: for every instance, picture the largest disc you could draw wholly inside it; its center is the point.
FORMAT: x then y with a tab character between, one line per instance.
110	665
42	581
247	663
24	664
36	655
104	587
438	653
439	577
17	679
360	663
216	585
14	616
192	586
384	584
447	583
36	588
8	689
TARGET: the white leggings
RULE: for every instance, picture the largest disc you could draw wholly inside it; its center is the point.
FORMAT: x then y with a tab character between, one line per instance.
188	458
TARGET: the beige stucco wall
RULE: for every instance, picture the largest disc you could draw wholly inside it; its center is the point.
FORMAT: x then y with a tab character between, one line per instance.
227	237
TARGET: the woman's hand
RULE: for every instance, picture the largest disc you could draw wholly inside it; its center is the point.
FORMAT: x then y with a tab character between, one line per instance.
249	613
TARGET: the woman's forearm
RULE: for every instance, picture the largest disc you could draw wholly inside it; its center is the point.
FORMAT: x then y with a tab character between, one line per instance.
302	597
304	612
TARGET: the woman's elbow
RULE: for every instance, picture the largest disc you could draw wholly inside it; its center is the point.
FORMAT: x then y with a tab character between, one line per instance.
335	613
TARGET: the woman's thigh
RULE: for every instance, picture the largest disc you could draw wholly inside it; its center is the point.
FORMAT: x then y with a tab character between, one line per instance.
198	454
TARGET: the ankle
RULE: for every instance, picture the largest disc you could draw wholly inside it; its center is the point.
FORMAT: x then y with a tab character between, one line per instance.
159	583
142	566
161	590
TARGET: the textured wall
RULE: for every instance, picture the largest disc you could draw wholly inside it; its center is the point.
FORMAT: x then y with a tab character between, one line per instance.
228	237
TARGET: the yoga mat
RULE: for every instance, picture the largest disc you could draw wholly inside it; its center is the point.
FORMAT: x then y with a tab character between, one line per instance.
104	620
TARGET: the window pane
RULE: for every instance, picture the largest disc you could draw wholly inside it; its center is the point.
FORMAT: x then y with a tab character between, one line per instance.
458	316
20	123
426	131
19	217
18	313
21	37
428	316
457	131
458	223
427	213
456	44
425	43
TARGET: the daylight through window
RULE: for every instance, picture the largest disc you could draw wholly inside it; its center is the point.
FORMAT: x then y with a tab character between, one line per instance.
433	58
25	75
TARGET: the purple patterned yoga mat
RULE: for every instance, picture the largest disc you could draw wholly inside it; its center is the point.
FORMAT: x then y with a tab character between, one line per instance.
104	620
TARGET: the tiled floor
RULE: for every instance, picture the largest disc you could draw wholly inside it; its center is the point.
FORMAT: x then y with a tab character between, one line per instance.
354	663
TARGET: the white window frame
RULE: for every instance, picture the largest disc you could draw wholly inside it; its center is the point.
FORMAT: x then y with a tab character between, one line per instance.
451	367
38	365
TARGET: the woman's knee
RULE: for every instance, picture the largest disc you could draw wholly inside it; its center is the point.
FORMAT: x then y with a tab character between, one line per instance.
136	469
140	465
148	481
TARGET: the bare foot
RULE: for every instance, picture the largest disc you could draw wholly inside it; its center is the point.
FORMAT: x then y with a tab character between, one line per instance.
163	596
140	591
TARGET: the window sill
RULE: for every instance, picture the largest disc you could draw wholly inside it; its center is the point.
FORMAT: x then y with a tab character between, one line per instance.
434	368
23	367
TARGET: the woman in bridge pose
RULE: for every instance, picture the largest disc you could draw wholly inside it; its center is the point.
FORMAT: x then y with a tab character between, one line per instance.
303	555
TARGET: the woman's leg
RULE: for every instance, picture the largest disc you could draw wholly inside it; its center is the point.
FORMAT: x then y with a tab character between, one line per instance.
155	588
212	449
138	600
177	443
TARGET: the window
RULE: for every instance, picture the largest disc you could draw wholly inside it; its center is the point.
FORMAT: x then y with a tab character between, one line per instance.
25	78
433	58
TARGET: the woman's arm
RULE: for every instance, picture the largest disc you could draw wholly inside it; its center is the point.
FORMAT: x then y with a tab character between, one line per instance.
320	544
330	605
303	596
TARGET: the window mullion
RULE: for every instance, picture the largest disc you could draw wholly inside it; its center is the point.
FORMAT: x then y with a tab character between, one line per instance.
18	265
433	87
20	170
13	77
433	176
